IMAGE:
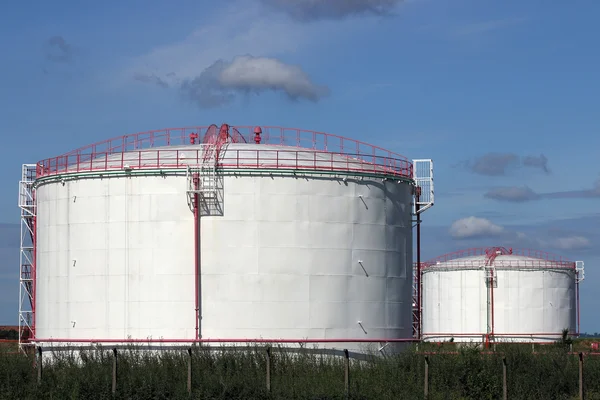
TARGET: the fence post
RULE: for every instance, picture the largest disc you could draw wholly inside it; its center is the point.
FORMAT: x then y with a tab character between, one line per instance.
189	372
580	376
346	372
114	372
504	380
268	369
39	365
426	389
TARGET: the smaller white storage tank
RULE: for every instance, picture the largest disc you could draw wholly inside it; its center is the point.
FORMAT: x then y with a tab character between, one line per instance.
498	294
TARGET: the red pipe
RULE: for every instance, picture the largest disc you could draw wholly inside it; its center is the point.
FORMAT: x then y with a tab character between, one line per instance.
236	340
34	267
577	306
492	300
197	256
196	265
420	298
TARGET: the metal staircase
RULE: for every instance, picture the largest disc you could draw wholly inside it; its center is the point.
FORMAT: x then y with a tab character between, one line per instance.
202	179
27	253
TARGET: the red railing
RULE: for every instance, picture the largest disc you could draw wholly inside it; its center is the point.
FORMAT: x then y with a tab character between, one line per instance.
526	335
504	264
539	259
303	150
268	158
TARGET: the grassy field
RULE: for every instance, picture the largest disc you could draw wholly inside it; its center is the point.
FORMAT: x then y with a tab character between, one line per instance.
552	372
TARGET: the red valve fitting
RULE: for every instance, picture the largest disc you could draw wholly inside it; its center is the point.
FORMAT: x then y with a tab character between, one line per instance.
257	133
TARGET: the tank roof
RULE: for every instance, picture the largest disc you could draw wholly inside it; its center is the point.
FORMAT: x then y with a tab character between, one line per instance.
238	147
498	257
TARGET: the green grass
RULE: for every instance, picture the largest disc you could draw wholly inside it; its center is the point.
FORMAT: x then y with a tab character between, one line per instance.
550	373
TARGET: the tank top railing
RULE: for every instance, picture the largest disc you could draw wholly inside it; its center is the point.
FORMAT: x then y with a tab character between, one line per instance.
462	256
301	140
269	158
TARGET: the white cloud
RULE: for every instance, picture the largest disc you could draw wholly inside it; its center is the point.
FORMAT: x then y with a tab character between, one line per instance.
311	10
218	84
480	228
237	28
243	27
474	227
571	243
515	194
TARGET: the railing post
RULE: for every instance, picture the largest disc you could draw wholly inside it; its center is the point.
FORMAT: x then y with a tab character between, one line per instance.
581	394
189	371
346	372
39	365
268	369
426	385
504	380
114	372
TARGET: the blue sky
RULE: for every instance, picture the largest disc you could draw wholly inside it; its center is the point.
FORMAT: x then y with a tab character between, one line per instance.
501	94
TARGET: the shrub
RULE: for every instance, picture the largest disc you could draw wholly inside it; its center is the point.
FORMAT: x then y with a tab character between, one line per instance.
463	372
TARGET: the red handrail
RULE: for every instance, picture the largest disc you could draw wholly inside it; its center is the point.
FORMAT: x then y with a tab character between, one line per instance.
541	258
358	156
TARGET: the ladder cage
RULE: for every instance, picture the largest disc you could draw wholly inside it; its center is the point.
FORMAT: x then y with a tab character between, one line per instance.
423	177
27	207
491	279
416	306
579	271
203	180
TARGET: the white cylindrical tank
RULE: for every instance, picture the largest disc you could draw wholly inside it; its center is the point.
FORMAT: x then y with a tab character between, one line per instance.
292	243
499	295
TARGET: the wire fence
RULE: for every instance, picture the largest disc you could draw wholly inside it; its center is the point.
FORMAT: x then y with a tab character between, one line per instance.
277	371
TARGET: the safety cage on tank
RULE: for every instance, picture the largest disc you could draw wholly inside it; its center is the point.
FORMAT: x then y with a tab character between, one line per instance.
511	295
201	155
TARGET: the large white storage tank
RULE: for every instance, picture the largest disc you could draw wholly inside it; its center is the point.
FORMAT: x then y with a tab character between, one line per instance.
223	234
498	294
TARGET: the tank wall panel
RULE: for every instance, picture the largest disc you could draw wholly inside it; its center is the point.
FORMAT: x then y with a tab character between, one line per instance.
115	259
542	301
303	246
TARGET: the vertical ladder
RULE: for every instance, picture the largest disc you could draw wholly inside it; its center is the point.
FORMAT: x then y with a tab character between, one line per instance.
27	207
424	199
579	277
415	303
